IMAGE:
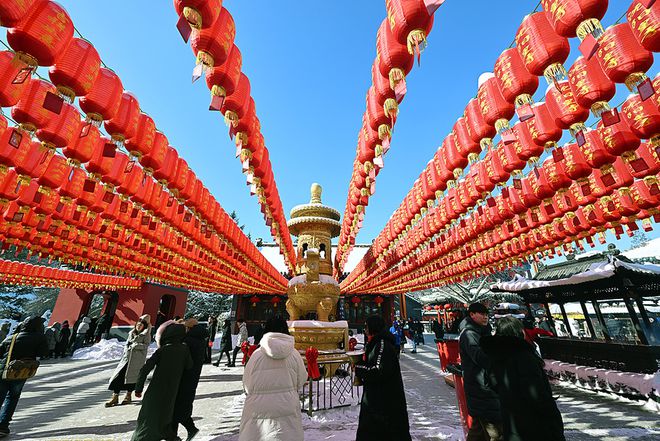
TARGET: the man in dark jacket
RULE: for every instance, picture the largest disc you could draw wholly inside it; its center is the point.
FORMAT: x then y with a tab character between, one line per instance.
196	339
438	329
30	343
482	402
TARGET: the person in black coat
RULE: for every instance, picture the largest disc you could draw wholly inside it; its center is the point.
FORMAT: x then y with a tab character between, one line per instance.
212	330
383	411
196	339
438	329
482	401
225	343
63	342
529	412
29	343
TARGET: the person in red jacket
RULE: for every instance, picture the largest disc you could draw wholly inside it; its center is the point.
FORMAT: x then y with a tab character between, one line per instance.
532	333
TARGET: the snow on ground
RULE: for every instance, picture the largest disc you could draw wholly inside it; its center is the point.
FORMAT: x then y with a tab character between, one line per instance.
105	350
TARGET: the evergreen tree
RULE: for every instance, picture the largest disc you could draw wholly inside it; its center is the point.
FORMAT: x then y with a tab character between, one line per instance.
202	304
13	300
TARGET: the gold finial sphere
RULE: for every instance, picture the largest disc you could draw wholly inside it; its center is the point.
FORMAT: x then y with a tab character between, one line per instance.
315	191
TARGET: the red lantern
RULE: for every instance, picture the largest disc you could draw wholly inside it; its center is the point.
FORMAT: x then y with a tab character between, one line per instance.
410	21
355	300
516	83
102	102
527	149
543	51
13	11
198	13
594	149
102	158
575	17
14	76
644	23
643	117
154	160
61	128
29	111
479	130
394	61
222	80
254	300
123	124
496	110
591	88
211	45
618	138
42	35
563	107
379	301
236	105
622	58
76	69
542	127
575	163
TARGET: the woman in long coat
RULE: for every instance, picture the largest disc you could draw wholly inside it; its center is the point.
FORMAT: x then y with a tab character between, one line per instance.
383	411
528	410
196	340
169	362
225	343
135	354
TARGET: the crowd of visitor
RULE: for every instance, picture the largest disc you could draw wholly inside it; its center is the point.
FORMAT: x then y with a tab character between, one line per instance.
507	392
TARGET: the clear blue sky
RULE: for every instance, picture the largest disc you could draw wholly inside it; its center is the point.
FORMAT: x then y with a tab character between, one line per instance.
309	66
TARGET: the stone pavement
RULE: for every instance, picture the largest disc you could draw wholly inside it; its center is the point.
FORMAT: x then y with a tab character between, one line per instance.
65	402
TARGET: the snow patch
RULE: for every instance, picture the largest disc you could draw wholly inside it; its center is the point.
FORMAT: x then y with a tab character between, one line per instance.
111	349
343	324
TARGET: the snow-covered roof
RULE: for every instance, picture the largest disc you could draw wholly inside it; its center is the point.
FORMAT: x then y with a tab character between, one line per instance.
595	271
648	250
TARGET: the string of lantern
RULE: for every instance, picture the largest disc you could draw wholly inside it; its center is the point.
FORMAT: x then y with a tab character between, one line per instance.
618	55
149	200
400	37
211	30
20	273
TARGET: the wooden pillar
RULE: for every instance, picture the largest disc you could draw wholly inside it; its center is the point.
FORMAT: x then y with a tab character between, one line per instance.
551	321
402	304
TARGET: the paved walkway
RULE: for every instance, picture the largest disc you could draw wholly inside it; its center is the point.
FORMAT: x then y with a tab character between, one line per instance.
65	402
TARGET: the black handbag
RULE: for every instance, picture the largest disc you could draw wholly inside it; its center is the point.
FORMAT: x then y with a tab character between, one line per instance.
19	369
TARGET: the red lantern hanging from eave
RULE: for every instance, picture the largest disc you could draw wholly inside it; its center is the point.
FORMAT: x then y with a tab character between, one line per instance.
29	111
570	18
643	117
14	76
393	59
644	22
496	110
543	51
622	58
591	88
411	22
517	85
102	102
222	80
123	124
211	45
42	35
76	69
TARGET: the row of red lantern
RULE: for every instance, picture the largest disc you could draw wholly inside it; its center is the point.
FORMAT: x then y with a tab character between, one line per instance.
213	31
52	171
536	194
60	182
76	70
517	85
400	37
563	111
20	273
564	212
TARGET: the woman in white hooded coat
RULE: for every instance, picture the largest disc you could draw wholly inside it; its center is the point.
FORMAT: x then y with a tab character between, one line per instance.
272	380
